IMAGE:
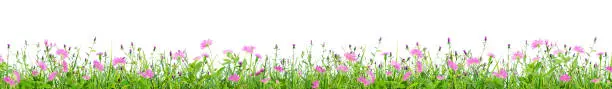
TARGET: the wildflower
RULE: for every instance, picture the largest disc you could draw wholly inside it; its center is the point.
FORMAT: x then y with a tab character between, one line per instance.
350	56
205	43
205	55
440	77
315	84
536	43
260	71
64	66
35	73
227	51
388	73
416	52
491	55
279	68
406	76
385	53
558	51
86	77
565	78
277	82
197	58
342	68
42	65
419	67
598	54
473	60
609	68
396	65
595	80
234	78
118	60
265	80
62	53
579	49
147	74
1	59
517	55
363	80
52	76
10	81
258	56
178	54
452	65
248	49
536	58
319	69
501	74
17	76
98	65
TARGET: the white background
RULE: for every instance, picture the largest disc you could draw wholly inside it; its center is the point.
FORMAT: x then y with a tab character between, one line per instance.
175	24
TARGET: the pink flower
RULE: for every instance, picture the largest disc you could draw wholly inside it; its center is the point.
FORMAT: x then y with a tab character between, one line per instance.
147	74
178	54
419	67
440	77
558	51
277	82
35	73
62	53
265	80
598	54
385	53
491	55
406	76
536	43
315	84
350	56
578	49
595	80
205	43
342	68
1	59
501	74
64	66
98	65
42	65
363	80
52	76
227	51
319	69
372	76
473	60
609	68
279	69
205	55
416	52
396	65
536	58
258	56
197	58
10	81
248	49
517	55
118	60
260	71
452	65
86	77
565	78
234	78
17	76
388	73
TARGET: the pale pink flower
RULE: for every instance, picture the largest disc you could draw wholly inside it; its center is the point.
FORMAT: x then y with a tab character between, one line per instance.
35	73
536	58
178	54
52	76
205	55
396	65
147	74
227	51
416	52
579	49
64	66
277	82
62	53
595	80
248	49
258	56
98	65
265	80
598	54
17	76
419	67
342	68
501	74
279	68
558	51
517	55
350	56
86	77
118	60
536	43
42	65
205	43
491	55
388	73
1	59
197	58
363	80
452	65
473	60
315	84
565	78
320	69
440	77
234	78
406	76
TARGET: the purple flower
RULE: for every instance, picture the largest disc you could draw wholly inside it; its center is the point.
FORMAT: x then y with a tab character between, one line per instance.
118	60
178	54
473	60
98	65
350	56
248	49
406	76
491	55
258	56
565	78
265	80
279	69
440	77
342	68
396	65
501	74
419	67
315	84
147	74
609	68
86	77
536	43
205	43
10	81
416	52
64	66
62	53
52	76
319	69
578	49
517	55
42	65
452	65
234	78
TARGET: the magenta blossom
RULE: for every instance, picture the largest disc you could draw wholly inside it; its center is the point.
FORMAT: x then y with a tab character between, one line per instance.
440	77
265	80
258	56
350	56
342	68
388	73
416	52
565	78
536	43
452	65
17	76
234	78
517	55
595	80
86	77
419	67
501	74
62	53
147	74
320	69
52	76
205	43
10	81
396	65
98	65
473	60
598	54
315	84
259	72
118	60
536	58
609	68
279	69
64	66
227	51
35	73
406	76
42	65
248	49
178	54
579	49
363	80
